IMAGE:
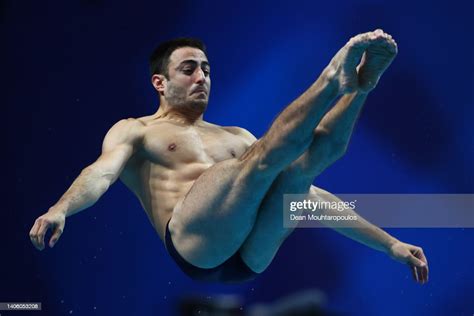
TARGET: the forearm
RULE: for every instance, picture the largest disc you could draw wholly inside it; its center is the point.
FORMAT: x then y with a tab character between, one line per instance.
362	231
367	233
83	193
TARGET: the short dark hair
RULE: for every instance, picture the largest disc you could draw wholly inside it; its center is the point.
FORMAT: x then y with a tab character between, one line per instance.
160	58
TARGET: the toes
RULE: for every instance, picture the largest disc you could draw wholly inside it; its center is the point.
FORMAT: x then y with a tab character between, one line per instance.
368	38
377	38
382	39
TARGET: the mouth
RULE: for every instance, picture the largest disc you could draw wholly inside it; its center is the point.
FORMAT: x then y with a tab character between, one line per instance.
199	91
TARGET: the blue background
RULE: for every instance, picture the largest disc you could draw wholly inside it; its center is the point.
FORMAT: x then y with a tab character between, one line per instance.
70	71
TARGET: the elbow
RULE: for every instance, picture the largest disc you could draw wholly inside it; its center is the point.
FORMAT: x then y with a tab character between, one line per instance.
97	190
97	179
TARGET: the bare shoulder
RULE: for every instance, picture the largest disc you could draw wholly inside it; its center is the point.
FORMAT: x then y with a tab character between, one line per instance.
125	131
128	127
239	131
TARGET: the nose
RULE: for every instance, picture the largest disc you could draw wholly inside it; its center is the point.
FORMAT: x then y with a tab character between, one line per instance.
200	76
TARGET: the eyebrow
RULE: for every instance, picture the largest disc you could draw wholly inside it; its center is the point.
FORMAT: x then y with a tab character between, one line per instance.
192	62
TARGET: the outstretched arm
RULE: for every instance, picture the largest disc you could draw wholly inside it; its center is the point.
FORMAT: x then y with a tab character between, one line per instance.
374	237
119	144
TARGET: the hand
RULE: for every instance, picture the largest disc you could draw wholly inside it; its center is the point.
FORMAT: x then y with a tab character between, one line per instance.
53	220
414	257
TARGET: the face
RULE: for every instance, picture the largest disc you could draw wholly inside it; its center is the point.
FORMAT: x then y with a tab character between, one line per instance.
189	82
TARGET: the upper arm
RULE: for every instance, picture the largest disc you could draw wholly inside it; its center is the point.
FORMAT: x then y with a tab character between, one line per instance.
120	143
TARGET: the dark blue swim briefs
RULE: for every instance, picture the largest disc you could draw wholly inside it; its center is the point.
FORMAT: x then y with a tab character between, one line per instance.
233	270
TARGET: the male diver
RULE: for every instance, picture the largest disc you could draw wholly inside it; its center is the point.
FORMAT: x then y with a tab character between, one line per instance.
214	194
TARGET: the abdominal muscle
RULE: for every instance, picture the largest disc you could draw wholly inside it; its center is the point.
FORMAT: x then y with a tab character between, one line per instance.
170	161
160	189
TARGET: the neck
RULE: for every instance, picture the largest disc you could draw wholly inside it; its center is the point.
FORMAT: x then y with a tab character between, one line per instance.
182	115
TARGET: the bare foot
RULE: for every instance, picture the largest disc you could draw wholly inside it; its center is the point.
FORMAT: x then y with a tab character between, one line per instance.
343	67
351	76
377	57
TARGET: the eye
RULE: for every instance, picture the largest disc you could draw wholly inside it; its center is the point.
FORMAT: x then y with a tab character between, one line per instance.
206	72
188	71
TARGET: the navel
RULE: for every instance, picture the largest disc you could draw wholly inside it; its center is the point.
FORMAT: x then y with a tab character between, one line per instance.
172	147
232	152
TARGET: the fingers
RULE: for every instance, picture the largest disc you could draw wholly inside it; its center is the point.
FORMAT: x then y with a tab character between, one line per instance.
419	254
422	274
414	273
41	233
415	261
419	264
424	270
38	232
414	257
56	234
34	234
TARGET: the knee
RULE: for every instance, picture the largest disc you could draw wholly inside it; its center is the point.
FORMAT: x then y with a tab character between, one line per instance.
255	162
327	153
338	151
332	146
335	148
255	265
187	245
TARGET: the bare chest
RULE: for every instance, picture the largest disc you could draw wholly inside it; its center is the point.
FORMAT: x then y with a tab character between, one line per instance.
171	145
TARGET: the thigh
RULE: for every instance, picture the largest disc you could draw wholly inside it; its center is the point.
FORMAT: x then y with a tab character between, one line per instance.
211	222
269	232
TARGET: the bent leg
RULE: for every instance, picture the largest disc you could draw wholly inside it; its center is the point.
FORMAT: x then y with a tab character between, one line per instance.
212	221
215	217
329	144
268	232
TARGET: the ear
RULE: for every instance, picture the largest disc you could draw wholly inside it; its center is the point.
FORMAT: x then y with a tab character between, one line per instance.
159	82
